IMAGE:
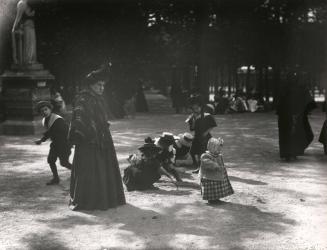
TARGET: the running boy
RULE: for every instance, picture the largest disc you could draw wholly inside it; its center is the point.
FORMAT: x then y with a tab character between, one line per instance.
57	131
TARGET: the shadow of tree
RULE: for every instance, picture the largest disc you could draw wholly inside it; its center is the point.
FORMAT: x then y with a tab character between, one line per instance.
164	229
251	149
45	241
247	181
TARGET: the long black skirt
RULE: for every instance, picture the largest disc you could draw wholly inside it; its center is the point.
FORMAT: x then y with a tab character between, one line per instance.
95	179
294	136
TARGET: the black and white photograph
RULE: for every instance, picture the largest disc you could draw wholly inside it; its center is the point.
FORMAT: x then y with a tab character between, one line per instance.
163	124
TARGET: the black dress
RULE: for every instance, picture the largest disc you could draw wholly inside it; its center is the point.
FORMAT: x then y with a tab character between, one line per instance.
295	133
141	104
95	179
142	174
201	124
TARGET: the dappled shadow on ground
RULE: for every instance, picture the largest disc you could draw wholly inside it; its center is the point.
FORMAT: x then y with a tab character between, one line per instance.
167	229
43	241
247	181
24	191
168	218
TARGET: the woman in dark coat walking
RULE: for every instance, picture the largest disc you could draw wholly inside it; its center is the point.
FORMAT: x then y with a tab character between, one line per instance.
140	102
295	133
95	180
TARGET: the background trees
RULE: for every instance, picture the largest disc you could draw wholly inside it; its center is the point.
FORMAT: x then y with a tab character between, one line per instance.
231	43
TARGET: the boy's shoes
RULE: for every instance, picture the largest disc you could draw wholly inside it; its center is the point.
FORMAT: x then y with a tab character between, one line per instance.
54	181
68	166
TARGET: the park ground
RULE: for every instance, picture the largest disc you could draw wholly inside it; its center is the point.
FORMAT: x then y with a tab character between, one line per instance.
276	205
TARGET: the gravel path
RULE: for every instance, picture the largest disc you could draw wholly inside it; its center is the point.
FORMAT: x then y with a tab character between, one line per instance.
276	205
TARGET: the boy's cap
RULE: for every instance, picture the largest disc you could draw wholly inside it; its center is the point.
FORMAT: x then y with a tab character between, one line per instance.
42	104
195	99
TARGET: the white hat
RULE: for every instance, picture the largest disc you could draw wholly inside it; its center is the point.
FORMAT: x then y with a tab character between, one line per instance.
186	139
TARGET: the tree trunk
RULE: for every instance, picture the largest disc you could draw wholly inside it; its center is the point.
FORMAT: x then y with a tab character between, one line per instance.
266	84
202	19
260	81
277	84
236	78
247	81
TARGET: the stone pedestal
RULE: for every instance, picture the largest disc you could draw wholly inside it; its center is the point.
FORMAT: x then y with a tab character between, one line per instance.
22	89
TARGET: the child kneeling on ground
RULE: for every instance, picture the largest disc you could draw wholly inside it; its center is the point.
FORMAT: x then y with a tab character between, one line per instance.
144	171
213	175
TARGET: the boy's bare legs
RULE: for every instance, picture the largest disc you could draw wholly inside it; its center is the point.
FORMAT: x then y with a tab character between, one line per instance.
195	163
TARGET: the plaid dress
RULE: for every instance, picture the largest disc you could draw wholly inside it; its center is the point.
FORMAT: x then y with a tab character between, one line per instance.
214	190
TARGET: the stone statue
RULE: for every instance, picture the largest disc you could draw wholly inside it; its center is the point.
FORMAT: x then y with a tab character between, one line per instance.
23	35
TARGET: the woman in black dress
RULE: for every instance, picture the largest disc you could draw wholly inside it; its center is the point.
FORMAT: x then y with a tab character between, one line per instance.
95	180
140	101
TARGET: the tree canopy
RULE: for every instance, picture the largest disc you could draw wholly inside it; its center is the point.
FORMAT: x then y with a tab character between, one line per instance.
207	42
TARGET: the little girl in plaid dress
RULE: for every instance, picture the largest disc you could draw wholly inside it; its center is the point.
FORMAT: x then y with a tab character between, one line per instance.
213	175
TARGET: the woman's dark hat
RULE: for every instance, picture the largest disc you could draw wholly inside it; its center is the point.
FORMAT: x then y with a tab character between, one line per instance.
195	99
100	74
42	104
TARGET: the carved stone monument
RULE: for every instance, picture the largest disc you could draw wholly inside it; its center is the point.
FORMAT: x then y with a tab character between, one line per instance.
27	82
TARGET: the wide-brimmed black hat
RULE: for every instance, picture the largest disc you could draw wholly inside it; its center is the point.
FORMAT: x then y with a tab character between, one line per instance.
149	146
166	139
100	74
42	104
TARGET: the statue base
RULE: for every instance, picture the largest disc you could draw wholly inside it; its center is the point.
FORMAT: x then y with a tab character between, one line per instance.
17	127
22	89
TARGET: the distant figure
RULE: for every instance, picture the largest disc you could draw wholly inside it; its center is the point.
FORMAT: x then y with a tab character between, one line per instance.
23	34
221	102
295	133
176	95
59	105
116	106
238	103
141	103
213	175
57	131
130	107
255	101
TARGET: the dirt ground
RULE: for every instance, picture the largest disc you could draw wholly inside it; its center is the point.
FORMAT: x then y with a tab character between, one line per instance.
276	205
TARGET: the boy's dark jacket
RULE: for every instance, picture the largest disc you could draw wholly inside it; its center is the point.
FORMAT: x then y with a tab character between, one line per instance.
57	131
